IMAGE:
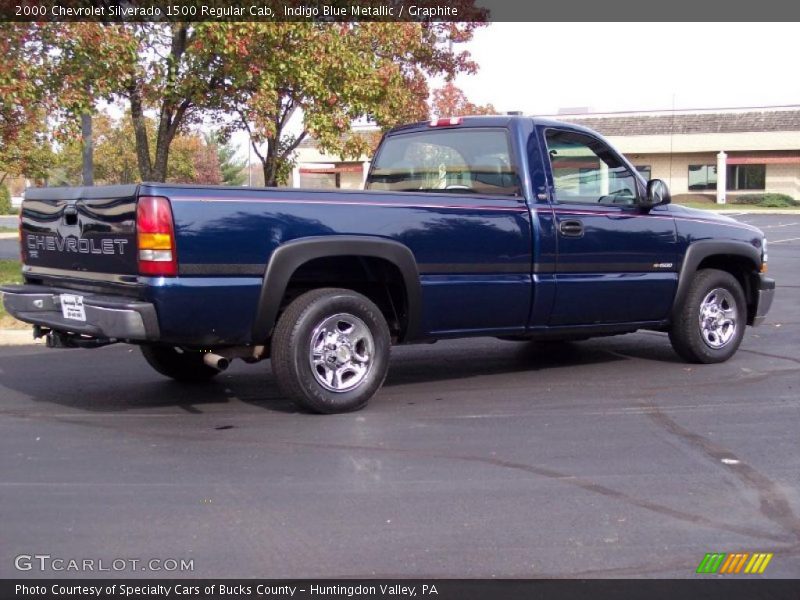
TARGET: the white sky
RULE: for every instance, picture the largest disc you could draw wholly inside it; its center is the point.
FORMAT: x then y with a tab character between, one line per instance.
540	67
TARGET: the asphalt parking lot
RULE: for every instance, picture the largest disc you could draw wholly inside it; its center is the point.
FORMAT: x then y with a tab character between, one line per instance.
479	458
9	248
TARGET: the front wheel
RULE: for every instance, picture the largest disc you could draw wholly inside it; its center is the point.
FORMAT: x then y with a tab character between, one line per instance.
709	327
330	350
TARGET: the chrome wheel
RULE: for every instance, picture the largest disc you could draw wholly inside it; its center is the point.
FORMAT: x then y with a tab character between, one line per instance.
718	318
341	352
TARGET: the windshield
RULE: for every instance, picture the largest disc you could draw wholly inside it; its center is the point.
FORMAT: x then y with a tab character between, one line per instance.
447	160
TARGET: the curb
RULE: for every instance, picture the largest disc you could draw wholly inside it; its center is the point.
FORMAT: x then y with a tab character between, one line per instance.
755	211
10	235
747	211
18	337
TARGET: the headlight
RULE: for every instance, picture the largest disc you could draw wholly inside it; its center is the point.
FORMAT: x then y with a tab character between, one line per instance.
764	256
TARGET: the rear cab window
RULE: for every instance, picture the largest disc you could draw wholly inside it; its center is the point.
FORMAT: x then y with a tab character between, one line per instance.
469	160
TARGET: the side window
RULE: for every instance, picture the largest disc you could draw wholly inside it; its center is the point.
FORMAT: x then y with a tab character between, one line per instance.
586	171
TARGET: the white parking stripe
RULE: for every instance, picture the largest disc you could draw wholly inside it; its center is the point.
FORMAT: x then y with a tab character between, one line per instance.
780	225
786	240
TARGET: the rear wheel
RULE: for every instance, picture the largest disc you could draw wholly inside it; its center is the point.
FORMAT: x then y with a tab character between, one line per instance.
709	327
330	350
178	364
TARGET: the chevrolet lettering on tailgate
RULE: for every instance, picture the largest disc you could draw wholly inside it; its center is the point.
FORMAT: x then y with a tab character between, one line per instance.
56	243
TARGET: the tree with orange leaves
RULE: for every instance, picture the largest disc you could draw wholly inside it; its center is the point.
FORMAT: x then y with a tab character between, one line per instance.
254	76
450	101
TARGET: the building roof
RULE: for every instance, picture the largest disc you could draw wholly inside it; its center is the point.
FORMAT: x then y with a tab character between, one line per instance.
694	123
311	142
635	125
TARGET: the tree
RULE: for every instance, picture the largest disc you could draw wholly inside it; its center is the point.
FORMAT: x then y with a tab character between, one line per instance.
232	168
192	160
5	201
333	74
262	73
24	142
152	67
195	161
450	101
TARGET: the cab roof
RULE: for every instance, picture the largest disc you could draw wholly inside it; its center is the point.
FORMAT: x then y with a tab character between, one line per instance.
507	121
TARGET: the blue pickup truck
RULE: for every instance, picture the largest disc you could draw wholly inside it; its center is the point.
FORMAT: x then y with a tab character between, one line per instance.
515	227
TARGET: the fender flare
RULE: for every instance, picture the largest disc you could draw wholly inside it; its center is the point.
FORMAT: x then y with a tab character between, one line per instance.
289	256
699	251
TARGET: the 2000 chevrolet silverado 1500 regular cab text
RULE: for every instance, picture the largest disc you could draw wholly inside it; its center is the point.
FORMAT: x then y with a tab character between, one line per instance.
505	226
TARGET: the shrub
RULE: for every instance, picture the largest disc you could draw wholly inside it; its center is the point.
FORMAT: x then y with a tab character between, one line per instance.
694	198
5	201
767	200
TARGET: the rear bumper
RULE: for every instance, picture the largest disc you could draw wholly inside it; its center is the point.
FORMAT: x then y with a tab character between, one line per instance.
764	296
111	317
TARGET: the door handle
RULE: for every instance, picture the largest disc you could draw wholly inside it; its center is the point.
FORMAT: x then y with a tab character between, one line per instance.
571	228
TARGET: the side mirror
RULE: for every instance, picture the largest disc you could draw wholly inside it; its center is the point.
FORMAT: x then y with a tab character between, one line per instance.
657	194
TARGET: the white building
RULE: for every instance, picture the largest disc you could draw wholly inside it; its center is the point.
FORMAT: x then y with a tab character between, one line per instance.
701	154
716	153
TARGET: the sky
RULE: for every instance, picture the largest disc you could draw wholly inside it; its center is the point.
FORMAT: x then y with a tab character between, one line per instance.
539	68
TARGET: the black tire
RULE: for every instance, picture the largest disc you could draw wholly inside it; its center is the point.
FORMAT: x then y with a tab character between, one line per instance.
361	372
184	366
716	344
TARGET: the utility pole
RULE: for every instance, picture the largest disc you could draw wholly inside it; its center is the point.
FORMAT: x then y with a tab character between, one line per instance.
88	147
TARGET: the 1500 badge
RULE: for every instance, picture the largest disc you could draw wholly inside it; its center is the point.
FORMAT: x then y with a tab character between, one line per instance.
54	243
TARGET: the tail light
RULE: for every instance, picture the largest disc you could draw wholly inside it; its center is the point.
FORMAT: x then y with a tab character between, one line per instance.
155	231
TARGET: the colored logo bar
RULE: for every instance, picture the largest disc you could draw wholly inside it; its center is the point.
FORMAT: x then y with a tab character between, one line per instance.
735	563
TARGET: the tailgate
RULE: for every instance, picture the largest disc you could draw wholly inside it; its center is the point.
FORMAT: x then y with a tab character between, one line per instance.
91	230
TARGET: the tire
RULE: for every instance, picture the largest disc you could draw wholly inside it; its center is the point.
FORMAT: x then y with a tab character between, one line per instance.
330	350
710	325
184	366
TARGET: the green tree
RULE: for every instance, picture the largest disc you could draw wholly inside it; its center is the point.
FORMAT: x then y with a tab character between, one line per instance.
24	104
332	74
232	168
261	73
5	201
191	159
164	69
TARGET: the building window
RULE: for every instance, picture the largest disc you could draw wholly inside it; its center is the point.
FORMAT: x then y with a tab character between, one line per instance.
746	177
645	171
702	177
320	180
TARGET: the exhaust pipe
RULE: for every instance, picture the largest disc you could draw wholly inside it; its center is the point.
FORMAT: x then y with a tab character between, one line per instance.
215	361
222	361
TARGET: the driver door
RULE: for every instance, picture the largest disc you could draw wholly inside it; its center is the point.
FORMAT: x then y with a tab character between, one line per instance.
616	263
